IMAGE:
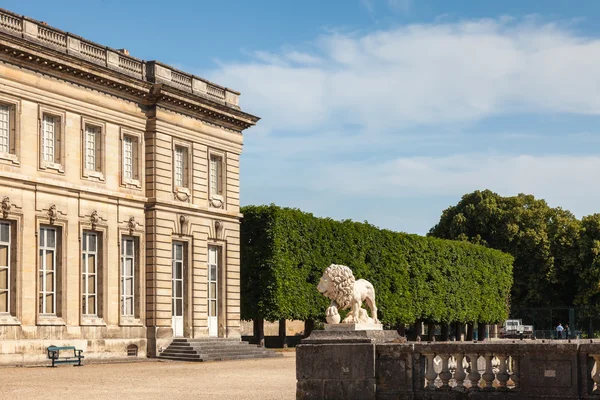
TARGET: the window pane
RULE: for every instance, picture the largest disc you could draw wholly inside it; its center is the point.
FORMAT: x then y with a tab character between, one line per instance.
92	242
91	263
3	302
83	283
212	290
42	237
4	232
49	282
83	305
129	306
129	247
49	256
91	286
179	252
213	273
3	278
179	270
41	303
49	303
129	286
3	256
178	289
91	305
4	128
84	242
213	308
179	305
51	238
129	267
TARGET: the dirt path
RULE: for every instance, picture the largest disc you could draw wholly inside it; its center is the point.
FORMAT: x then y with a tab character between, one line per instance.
263	379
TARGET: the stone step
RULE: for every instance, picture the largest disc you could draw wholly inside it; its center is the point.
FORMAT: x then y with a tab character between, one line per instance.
211	349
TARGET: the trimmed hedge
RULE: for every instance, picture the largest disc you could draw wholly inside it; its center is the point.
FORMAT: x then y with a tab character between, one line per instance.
285	251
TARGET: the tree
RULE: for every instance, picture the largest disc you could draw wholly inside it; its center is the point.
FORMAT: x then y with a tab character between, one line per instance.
543	241
285	251
588	272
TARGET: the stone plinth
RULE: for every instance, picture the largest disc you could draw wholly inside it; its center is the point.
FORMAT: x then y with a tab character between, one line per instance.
339	364
353	327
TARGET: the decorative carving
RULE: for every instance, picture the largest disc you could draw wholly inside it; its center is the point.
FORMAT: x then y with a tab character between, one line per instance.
131	224
183	221
6	206
52	214
217	201
338	283
218	227
181	195
94	219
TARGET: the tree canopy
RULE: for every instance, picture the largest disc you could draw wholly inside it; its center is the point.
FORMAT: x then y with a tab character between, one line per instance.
544	241
285	251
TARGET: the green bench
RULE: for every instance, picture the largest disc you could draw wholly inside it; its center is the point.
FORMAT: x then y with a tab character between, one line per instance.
54	353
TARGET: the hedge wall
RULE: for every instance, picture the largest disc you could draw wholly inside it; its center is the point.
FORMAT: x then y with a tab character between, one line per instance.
285	251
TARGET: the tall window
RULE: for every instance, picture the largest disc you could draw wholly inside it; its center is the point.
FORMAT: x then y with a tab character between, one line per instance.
5	277
93	140
89	269
216	175
128	157
5	127
179	166
127	276
47	271
50	135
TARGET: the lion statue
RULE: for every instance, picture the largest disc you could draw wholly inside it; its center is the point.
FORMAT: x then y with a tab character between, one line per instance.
345	292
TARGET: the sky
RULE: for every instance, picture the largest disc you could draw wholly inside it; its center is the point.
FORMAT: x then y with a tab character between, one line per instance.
383	110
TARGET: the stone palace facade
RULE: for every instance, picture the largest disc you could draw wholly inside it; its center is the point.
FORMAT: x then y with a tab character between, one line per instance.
119	189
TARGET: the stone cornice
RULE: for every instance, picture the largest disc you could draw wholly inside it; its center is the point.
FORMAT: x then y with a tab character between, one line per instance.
38	46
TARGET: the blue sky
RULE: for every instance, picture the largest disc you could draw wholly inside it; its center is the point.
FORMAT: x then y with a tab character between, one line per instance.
384	110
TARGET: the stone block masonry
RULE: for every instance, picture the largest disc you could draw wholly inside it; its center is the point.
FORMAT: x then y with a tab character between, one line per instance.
119	182
363	366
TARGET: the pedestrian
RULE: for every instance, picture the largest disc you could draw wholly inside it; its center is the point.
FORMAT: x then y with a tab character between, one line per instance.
567	331
559	331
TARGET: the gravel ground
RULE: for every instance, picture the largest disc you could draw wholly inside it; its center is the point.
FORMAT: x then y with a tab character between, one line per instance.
271	378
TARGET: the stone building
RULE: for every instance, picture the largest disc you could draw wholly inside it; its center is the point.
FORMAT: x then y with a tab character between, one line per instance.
119	182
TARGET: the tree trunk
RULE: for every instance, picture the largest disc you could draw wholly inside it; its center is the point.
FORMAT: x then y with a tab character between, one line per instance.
459	327
431	332
470	330
259	331
445	333
418	329
401	329
309	325
282	333
481	331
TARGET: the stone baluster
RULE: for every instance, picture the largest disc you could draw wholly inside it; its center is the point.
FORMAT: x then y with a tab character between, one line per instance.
445	375
459	374
430	373
474	375
514	371
596	376
502	374
488	376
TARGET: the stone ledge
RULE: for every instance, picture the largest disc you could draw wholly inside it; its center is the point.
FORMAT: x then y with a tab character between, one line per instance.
353	327
346	336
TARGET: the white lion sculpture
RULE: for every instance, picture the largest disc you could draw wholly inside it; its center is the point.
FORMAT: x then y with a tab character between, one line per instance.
345	292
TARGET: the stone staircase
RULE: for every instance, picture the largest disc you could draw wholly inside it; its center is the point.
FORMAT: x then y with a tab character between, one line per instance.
214	349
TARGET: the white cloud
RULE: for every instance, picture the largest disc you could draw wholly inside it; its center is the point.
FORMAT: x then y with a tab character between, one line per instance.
422	74
355	97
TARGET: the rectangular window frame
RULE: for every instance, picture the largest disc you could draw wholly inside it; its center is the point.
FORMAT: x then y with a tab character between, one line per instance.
88	252
14	136
138	293
97	173
11	317
182	192
7	270
135	181
58	162
217	198
44	249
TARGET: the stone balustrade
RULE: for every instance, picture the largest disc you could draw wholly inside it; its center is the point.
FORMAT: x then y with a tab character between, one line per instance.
353	367
117	60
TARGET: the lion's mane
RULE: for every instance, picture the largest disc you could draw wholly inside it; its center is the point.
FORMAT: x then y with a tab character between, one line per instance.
342	279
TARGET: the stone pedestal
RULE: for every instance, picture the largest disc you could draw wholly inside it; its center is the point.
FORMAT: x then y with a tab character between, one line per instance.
339	364
353	327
